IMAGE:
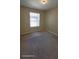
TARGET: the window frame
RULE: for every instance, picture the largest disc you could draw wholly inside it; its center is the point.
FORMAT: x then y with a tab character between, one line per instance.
30	19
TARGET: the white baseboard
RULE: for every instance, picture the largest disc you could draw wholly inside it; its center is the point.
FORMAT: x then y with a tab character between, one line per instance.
53	33
25	33
29	32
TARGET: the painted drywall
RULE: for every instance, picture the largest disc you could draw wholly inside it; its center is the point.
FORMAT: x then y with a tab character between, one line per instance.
52	20
48	20
24	20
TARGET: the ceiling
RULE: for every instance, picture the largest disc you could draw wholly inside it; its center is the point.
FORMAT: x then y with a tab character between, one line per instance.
36	4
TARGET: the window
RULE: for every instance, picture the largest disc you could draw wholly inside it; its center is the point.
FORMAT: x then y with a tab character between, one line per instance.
34	19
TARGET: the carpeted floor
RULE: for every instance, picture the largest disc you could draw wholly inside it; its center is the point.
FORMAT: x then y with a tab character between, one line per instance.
39	45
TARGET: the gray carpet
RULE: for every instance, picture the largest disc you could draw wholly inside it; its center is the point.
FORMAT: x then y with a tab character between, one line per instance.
41	44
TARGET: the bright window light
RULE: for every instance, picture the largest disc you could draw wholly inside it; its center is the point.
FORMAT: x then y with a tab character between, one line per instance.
34	19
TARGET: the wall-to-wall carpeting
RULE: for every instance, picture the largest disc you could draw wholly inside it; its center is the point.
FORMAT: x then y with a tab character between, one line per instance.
42	45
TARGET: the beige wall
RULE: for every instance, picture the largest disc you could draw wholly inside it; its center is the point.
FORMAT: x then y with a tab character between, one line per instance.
24	20
52	20
48	20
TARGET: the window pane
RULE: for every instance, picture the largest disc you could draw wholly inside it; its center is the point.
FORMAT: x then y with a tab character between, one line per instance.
34	19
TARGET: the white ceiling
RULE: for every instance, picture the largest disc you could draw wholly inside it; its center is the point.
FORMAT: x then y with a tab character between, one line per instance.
36	4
